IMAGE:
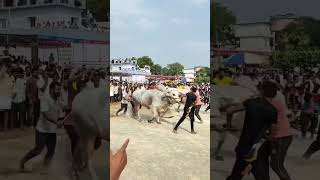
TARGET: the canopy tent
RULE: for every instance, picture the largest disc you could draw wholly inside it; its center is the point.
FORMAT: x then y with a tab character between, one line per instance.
183	80
236	59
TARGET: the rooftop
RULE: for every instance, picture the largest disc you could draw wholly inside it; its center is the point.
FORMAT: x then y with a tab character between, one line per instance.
16	4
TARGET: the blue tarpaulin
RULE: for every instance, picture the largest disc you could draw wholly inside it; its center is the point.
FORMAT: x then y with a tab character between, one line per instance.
183	80
236	59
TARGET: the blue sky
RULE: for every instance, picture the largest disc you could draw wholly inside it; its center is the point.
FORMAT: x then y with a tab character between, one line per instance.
166	30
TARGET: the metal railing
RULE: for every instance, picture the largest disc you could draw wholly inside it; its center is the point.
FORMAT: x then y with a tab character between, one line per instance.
33	3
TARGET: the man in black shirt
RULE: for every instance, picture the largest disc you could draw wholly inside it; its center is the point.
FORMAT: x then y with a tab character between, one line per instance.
314	147
191	98
259	116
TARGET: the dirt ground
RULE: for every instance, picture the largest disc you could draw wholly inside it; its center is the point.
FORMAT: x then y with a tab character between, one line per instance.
15	143
154	152
297	167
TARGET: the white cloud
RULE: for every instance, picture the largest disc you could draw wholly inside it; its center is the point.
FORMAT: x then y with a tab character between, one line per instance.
129	8
129	13
118	23
180	21
200	3
198	47
146	23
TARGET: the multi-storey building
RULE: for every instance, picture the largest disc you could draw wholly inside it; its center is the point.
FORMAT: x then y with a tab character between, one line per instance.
64	28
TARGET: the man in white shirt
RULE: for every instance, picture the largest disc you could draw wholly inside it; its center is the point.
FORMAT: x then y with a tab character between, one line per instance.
103	82
43	83
124	101
19	99
111	93
47	126
116	92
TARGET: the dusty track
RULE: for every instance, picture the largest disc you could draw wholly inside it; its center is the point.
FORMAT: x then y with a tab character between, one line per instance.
14	144
154	152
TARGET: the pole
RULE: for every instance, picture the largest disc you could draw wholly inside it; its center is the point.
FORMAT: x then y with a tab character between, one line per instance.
58	55
7	37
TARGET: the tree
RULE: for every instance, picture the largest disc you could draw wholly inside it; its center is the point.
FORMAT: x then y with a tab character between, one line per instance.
99	9
293	37
174	69
203	75
144	61
300	34
165	71
221	22
156	69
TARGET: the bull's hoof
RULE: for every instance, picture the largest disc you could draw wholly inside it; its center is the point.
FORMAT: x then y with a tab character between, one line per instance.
158	122
150	121
219	157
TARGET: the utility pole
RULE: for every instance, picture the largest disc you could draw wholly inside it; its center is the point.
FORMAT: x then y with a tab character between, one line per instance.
35	51
8	29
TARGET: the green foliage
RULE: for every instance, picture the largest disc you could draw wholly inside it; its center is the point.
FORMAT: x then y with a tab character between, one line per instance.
144	60
99	9
298	44
174	69
156	69
221	22
302	34
147	61
290	59
165	71
203	75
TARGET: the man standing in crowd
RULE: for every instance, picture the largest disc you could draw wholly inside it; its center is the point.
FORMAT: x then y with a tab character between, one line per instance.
191	99
47	125
124	101
33	97
198	104
259	116
224	79
19	98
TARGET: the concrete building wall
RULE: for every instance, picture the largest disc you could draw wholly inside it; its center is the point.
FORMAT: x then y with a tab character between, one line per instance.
259	29
19	18
255	44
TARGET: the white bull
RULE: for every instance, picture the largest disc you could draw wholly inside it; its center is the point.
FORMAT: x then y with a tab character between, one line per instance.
157	101
89	111
176	91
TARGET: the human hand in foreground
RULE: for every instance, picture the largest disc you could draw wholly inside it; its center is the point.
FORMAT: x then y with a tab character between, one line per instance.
118	161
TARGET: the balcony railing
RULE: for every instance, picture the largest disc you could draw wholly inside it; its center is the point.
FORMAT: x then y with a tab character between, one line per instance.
31	3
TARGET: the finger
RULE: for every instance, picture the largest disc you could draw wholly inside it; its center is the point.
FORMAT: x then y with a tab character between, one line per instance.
125	145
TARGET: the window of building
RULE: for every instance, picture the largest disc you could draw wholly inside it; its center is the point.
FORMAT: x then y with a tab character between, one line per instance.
48	1
8	3
271	42
22	2
33	2
77	3
3	23
64	1
32	21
